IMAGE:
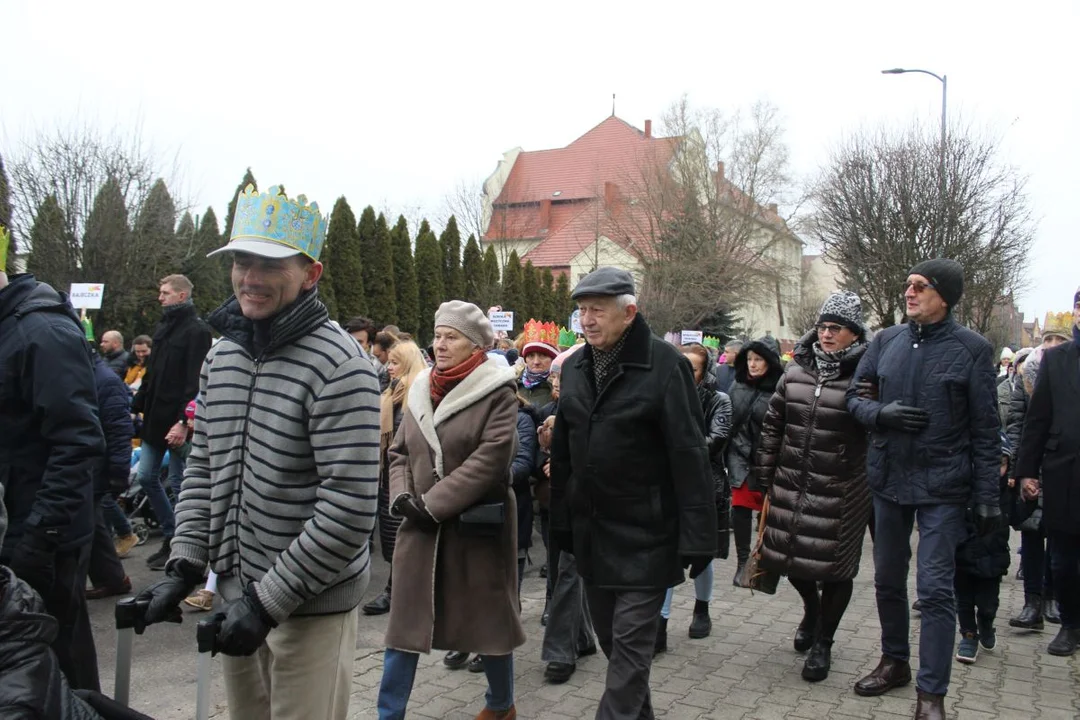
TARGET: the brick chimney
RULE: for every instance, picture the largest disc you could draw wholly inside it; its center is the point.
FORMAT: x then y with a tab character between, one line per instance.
611	193
648	129
720	171
545	213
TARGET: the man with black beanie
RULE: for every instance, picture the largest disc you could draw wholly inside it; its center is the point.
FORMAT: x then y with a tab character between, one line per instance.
926	391
1050	448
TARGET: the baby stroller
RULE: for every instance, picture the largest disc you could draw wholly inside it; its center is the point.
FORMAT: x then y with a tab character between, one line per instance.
135	503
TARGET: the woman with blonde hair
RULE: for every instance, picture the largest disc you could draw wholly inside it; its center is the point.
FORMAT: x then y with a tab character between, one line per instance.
404	363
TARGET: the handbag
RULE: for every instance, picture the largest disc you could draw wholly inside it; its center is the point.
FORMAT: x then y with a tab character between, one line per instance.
484	519
753	575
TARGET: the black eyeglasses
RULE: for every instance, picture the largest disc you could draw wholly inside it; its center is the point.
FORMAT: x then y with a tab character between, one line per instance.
828	328
919	287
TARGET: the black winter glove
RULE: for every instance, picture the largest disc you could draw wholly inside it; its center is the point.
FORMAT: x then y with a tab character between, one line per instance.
164	596
696	564
988	519
34	561
903	417
244	625
414	509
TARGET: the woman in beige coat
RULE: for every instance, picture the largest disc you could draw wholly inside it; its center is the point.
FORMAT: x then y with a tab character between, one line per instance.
455	560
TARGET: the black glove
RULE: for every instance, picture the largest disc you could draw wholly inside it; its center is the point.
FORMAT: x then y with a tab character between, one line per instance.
988	519
164	596
34	561
903	417
866	390
414	509
696	564
244	625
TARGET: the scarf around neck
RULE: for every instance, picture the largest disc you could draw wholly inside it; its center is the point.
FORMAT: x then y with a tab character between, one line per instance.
530	379
443	381
828	363
604	360
170	310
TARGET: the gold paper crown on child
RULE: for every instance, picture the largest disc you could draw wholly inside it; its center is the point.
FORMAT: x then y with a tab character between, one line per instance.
1059	323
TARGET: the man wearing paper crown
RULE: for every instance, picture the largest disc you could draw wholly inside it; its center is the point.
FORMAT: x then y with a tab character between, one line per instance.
534	383
280	492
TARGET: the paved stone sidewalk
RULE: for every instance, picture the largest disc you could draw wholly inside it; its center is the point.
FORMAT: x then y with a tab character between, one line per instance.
746	669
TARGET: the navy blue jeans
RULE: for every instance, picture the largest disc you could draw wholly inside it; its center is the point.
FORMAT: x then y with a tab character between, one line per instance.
941	528
149	478
399	672
1035	560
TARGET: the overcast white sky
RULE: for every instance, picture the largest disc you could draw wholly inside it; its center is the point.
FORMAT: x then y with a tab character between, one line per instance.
393	103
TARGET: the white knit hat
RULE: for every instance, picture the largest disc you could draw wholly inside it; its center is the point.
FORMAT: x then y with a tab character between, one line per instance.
467	319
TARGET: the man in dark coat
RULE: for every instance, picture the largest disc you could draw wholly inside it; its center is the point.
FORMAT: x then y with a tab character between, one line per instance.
1051	444
113	352
114	410
631	484
926	391
181	342
51	447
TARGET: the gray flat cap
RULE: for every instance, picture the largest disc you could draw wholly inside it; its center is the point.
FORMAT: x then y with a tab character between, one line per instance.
605	281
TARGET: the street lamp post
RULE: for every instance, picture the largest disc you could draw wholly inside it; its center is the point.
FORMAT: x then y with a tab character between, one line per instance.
944	128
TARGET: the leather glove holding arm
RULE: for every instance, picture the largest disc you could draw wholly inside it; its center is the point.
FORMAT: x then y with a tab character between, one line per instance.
244	625
34	560
988	519
164	596
414	509
904	418
696	564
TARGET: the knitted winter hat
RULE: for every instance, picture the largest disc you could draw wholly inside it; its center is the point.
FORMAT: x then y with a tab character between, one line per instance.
947	277
843	308
467	319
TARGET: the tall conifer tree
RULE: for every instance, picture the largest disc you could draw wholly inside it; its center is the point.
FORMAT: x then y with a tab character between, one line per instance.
563	305
547	298
365	232
450	244
513	291
492	288
382	300
50	260
405	288
429	279
105	257
342	254
530	290
472	270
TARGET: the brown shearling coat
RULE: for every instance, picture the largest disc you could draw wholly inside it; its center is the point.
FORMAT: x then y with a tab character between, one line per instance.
453	592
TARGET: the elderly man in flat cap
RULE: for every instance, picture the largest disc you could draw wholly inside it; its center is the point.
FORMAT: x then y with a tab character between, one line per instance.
631	487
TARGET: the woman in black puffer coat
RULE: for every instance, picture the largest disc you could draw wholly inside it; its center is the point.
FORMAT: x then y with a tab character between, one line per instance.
757	371
812	461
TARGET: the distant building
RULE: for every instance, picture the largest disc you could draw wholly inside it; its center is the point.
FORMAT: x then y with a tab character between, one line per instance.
1031	334
575	208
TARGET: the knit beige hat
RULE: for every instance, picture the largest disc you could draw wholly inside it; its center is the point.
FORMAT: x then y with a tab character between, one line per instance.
467	319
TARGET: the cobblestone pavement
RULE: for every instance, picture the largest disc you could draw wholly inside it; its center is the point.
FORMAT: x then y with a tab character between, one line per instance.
745	669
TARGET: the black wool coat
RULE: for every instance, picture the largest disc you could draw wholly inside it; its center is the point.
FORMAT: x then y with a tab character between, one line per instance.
1051	440
812	457
631	486
181	342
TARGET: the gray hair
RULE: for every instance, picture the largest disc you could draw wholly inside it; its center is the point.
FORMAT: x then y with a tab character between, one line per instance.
624	301
733	345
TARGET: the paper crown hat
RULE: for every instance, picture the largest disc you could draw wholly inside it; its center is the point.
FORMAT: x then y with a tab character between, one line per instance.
540	337
711	342
1058	324
271	225
567	338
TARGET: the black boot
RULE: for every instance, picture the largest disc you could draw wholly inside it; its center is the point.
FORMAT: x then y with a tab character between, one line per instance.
157	560
818	661
742	527
806	632
1066	642
661	637
701	624
1030	618
1050	610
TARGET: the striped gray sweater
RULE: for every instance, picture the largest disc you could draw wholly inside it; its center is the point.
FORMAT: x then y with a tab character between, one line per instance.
281	483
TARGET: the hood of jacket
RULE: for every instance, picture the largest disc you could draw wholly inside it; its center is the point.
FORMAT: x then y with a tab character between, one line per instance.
767	348
25	295
23	618
294	322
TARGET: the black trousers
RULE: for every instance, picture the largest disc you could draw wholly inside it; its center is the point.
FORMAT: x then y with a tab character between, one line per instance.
105	570
1065	559
626	622
976	601
66	601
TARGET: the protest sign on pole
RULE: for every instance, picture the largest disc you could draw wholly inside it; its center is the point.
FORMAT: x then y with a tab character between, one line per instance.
86	296
502	320
691	336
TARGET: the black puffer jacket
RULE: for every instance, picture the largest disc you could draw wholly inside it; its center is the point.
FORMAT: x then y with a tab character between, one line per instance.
749	402
812	458
631	487
51	446
948	371
31	684
1014	423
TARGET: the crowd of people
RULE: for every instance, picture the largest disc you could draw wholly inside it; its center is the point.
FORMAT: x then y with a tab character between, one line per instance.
289	438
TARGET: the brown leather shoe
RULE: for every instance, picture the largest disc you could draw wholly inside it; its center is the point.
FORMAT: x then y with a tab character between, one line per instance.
97	593
509	714
929	706
890	673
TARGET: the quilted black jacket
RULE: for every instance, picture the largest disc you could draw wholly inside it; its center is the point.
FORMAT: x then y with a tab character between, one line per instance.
948	371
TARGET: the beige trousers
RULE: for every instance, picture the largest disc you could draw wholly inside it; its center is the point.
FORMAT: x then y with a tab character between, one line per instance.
302	672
